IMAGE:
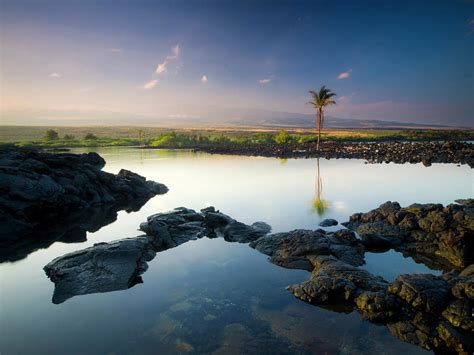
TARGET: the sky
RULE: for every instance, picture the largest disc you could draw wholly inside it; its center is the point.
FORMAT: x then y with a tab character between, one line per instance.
409	61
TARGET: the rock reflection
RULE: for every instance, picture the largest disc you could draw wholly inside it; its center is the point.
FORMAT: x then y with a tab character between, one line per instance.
72	228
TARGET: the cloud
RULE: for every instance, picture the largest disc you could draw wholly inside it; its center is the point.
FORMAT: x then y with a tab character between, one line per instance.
265	81
54	75
470	26
150	85
175	52
204	79
161	68
345	74
116	50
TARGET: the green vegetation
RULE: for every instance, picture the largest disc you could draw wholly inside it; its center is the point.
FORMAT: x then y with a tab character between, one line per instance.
283	137
51	135
65	137
320	100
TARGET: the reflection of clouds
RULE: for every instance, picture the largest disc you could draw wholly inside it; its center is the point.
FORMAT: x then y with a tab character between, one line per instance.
339	205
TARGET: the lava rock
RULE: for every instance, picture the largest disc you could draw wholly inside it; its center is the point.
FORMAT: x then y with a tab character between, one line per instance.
328	223
104	267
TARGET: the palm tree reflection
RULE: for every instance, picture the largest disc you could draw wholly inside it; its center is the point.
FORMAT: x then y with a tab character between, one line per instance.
319	205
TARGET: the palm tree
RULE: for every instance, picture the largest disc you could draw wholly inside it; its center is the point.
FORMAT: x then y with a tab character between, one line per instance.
321	99
319	205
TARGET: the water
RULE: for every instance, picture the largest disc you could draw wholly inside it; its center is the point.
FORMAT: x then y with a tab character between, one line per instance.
210	296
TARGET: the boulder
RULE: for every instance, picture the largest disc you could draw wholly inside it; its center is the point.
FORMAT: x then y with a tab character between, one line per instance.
328	223
104	267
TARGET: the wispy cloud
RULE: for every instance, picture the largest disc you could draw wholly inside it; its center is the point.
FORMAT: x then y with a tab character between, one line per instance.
175	53
116	50
470	26
345	74
54	75
150	85
204	79
161	68
265	81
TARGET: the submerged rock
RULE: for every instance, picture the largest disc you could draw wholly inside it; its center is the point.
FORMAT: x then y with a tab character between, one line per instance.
40	190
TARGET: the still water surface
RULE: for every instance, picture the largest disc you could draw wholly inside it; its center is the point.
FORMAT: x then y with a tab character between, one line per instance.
210	296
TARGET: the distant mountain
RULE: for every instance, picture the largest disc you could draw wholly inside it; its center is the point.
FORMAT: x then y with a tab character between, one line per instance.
197	117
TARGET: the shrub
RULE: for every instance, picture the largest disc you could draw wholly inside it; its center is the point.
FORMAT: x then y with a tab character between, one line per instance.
283	137
51	135
90	136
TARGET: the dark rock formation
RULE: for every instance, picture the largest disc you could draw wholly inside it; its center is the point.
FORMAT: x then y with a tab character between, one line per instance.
170	229
118	265
294	249
433	312
328	223
387	152
39	192
104	267
442	237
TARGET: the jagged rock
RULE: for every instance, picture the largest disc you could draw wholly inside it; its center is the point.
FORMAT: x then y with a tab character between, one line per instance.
117	265
292	249
460	314
170	229
39	189
333	281
378	306
425	292
431	230
242	233
454	340
104	267
328	223
433	312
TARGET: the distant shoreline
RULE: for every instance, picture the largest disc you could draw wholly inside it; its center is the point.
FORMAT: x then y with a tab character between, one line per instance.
374	152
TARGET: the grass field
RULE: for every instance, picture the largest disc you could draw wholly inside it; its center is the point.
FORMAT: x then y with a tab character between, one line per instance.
163	137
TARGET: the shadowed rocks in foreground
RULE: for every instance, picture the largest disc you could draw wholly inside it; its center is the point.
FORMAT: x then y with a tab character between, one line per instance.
118	265
47	197
433	312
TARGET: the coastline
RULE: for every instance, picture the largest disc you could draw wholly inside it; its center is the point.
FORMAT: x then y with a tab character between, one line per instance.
390	152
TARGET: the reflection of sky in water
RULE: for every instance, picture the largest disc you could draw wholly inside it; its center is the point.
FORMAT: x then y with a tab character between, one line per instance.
210	295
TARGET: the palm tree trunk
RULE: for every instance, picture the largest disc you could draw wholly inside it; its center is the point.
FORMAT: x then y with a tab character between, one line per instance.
319	129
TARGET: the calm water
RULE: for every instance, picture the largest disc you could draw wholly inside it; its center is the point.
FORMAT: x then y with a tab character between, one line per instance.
210	296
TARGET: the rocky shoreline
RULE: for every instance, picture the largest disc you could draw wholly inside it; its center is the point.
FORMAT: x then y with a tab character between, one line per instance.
433	312
47	197
386	152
